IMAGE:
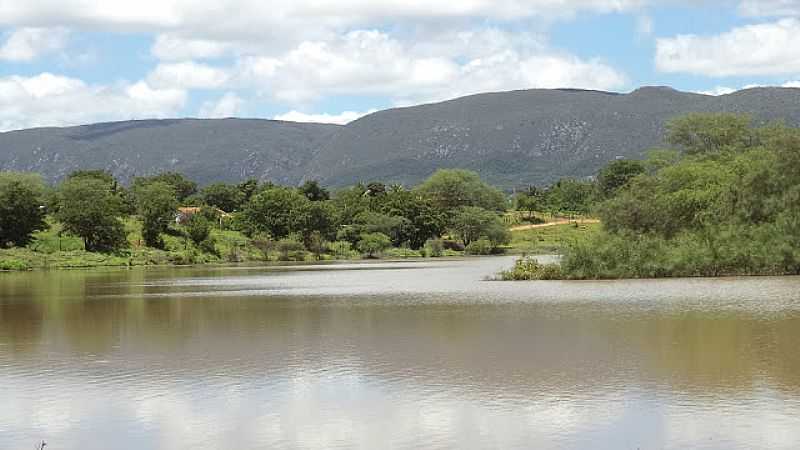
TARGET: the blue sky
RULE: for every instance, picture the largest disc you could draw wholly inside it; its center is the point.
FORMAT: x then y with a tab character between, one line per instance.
66	62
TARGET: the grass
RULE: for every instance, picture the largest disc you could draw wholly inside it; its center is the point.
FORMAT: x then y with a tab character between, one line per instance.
550	240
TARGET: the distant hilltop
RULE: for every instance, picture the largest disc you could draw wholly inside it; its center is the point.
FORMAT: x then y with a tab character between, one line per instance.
511	138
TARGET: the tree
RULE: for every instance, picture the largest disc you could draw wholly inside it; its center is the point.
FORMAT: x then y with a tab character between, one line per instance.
617	174
449	189
423	220
226	197
374	222
89	209
182	186
316	217
22	196
156	204
314	192
711	132
372	244
531	200
278	211
471	223
197	228
570	195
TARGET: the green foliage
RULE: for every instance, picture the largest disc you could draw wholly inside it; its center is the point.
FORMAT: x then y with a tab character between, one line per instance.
22	198
471	223
552	239
156	204
434	248
226	197
89	208
372	244
290	249
480	247
197	228
277	211
617	175
704	133
528	269
449	189
182	186
570	196
341	249
13	264
314	192
532	200
731	206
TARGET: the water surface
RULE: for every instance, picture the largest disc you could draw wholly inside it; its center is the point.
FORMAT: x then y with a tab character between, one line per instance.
395	355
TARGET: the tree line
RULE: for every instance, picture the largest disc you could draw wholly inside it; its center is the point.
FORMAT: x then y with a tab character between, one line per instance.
371	217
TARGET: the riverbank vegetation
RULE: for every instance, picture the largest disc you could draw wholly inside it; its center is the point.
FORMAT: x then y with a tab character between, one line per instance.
725	200
90	219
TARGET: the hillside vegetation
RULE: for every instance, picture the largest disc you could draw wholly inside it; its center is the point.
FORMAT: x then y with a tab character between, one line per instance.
512	139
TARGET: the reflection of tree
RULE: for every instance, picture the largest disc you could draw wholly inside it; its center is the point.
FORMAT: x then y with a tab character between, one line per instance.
20	325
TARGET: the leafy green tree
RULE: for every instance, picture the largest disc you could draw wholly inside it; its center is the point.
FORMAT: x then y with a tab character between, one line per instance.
698	133
351	202
22	198
449	189
372	244
197	228
471	223
568	195
531	200
89	209
248	188
314	192
617	175
226	197
316	217
277	211
374	222
422	220
182	186
156	205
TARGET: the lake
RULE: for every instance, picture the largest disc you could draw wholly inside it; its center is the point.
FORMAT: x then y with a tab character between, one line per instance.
396	355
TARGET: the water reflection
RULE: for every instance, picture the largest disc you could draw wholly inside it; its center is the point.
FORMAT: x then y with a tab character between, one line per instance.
427	356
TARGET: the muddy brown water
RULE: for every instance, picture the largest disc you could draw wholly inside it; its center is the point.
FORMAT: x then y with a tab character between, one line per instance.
397	355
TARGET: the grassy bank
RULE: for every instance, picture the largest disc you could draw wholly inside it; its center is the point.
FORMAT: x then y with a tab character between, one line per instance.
550	239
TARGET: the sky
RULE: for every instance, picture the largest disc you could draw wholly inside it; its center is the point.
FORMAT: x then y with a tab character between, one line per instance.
70	62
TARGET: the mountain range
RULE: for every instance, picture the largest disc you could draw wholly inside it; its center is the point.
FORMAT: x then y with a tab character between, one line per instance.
511	138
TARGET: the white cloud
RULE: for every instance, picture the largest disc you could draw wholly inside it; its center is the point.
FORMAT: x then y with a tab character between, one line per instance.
769	8
448	65
718	90
171	47
27	44
52	100
187	75
340	119
229	105
761	49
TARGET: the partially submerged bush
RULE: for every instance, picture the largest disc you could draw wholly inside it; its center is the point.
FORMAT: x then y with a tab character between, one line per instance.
527	269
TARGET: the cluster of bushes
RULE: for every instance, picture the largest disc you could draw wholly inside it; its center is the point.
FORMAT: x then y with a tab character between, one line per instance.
725	202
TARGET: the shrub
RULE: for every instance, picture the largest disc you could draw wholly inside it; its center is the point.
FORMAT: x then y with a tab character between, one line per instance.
480	247
372	244
526	269
197	228
434	248
13	264
341	249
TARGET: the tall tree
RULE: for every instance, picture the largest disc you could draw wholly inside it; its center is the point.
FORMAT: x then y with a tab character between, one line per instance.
449	189
89	209
156	204
22	197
